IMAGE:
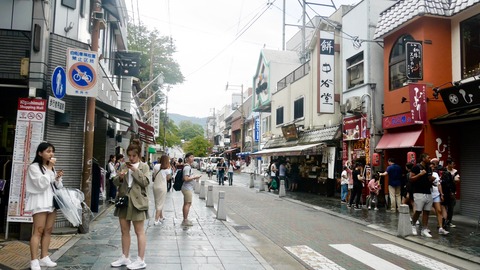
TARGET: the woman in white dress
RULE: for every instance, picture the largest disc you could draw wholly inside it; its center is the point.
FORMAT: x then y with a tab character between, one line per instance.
41	180
162	172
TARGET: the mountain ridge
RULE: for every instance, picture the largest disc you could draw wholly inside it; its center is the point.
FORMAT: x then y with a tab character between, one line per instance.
177	118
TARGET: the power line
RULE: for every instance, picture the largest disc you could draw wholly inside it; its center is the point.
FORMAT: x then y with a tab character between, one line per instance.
231	43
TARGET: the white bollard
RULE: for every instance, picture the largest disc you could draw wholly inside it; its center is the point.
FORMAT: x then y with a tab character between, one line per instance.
261	186
252	180
202	190
404	225
281	192
210	196
197	187
221	212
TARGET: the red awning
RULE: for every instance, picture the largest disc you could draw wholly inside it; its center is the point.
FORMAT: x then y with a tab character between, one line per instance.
407	139
146	132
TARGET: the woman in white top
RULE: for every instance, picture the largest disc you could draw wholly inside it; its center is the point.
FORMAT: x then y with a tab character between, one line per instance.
41	180
162	173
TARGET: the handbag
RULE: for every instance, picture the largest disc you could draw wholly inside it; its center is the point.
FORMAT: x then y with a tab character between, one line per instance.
121	202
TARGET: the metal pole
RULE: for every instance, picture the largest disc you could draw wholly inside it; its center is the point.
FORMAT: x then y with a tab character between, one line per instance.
165	122
242	127
90	121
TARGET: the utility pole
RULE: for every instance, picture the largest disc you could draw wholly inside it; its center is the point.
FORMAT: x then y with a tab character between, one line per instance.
90	122
165	121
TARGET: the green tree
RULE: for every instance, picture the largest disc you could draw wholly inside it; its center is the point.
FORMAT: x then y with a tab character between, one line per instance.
198	146
156	54
170	132
188	130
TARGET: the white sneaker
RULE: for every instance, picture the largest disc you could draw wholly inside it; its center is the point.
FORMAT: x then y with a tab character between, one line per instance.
137	264
414	230
426	233
35	265
442	231
187	223
46	261
452	225
157	222
369	208
376	209
121	261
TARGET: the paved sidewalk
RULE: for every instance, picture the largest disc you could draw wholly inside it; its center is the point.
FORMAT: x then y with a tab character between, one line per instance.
208	244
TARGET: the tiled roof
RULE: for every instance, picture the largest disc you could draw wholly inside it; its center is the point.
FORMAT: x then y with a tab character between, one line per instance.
405	10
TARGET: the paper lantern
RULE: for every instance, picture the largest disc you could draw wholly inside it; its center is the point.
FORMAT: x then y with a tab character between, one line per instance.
376	159
412	157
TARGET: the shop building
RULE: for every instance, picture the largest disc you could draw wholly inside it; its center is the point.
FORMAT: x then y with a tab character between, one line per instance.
362	76
31	47
431	79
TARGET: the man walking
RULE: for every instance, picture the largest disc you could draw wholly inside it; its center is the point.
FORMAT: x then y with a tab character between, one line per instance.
422	179
187	188
394	172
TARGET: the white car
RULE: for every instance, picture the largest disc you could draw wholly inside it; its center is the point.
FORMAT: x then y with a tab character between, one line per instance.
214	161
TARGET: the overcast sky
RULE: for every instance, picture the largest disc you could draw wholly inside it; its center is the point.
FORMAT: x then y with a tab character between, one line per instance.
210	49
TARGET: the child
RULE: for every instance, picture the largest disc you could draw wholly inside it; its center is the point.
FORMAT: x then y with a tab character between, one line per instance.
374	188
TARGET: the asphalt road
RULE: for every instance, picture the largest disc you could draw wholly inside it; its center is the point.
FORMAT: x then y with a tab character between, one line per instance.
291	235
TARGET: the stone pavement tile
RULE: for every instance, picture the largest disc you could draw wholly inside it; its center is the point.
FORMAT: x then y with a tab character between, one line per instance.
197	253
203	267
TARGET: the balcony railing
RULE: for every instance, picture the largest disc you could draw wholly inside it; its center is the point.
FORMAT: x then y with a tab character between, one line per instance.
296	75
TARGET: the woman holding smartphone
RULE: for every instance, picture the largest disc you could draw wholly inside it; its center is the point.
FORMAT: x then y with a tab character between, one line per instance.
41	180
133	181
161	173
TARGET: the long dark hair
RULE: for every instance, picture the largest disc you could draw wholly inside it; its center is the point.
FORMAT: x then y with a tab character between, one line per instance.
38	159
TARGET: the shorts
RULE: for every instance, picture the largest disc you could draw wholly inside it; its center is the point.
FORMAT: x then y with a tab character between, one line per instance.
437	199
187	195
423	201
350	186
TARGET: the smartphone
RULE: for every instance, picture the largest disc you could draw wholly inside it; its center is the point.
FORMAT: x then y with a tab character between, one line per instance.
128	163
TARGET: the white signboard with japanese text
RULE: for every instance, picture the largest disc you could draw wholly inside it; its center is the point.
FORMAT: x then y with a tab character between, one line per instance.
28	135
326	94
81	73
56	104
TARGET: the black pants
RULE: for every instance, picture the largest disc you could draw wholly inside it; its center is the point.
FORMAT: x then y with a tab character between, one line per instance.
169	185
112	191
356	193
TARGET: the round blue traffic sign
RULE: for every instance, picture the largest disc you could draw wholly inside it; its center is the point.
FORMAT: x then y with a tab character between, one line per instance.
82	76
59	82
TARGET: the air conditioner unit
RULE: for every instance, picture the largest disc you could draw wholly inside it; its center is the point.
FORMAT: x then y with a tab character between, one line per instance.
353	105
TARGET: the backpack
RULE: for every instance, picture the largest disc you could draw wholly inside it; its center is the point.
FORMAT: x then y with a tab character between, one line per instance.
177	185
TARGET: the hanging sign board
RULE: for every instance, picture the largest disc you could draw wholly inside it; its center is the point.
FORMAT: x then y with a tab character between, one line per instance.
414	54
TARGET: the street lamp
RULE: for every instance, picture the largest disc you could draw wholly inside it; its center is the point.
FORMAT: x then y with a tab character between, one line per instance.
242	123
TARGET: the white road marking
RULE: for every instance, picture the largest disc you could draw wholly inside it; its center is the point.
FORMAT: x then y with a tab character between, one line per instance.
414	257
313	258
365	257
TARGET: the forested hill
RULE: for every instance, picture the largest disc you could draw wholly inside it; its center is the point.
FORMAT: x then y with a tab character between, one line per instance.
177	118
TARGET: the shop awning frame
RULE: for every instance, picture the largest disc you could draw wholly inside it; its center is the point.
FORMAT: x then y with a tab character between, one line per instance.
307	149
113	113
145	132
397	140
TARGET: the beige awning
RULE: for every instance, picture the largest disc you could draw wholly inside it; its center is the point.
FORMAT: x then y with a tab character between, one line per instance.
307	149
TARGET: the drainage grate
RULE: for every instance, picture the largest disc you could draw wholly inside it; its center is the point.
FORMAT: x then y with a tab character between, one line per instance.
242	228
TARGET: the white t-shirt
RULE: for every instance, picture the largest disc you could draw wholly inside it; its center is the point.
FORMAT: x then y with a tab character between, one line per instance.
435	184
130	177
344	176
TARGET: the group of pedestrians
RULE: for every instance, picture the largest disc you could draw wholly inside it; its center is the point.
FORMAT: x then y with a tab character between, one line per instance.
223	167
424	186
282	169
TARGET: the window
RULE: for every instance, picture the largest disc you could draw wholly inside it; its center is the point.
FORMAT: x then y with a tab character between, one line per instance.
266	124
279	116
355	70
470	45
298	108
397	63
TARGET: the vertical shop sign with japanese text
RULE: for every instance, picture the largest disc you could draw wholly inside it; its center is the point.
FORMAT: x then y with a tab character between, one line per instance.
414	60
156	120
327	73
418	102
28	135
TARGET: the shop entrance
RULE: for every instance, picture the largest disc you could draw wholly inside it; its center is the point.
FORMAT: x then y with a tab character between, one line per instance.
8	118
